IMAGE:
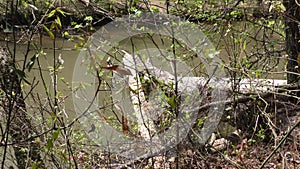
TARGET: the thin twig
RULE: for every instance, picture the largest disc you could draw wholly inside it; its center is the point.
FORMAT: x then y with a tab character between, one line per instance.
280	143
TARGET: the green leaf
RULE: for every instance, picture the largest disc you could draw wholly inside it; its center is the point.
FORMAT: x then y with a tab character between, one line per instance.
49	15
81	37
53	25
49	32
79	45
244	45
55	134
78	26
200	122
281	7
154	9
58	22
88	18
62	12
49	145
33	165
171	101
66	33
73	23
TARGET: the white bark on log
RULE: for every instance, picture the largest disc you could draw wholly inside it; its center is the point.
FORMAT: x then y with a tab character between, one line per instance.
141	106
191	83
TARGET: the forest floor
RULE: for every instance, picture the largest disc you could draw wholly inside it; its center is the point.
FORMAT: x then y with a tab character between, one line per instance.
244	154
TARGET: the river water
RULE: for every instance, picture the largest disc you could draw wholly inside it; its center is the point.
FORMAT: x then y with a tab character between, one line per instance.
66	51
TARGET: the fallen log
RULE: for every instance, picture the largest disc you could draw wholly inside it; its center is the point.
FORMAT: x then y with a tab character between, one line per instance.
190	85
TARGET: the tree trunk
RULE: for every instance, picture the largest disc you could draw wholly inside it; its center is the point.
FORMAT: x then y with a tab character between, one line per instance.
18	126
292	19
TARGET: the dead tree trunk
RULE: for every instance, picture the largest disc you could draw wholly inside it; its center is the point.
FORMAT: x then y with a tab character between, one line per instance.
292	19
18	125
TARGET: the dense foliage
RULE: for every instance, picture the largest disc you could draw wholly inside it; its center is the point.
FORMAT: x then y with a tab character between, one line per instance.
255	39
